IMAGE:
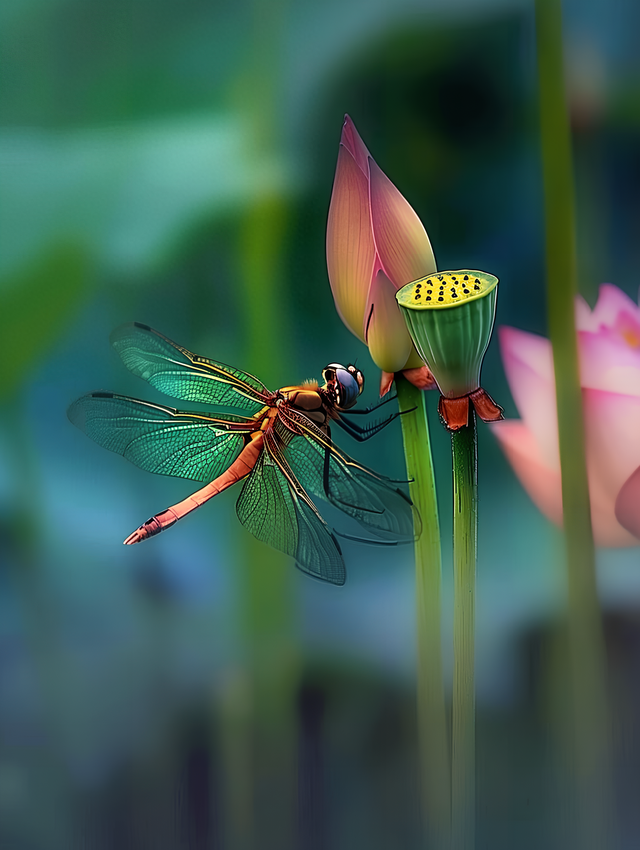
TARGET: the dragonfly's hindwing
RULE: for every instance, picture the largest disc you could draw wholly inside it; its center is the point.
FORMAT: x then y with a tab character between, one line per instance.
375	502
158	438
273	508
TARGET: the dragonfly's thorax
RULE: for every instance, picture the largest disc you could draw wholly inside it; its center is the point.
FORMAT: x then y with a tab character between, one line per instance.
307	401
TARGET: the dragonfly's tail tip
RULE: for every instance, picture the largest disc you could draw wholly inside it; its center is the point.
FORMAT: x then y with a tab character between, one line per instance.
134	537
152	527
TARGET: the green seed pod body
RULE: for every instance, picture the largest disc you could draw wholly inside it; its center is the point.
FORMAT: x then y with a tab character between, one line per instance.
450	318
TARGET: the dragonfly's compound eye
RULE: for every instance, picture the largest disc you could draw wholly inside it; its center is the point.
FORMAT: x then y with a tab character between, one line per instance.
348	388
357	374
344	382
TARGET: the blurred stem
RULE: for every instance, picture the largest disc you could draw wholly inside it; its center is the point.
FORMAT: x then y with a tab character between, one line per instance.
591	763
464	450
432	719
262	237
265	734
234	714
269	719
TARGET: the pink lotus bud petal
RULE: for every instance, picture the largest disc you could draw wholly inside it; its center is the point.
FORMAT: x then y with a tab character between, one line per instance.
350	247
350	138
528	363
401	241
385	330
421	378
414	361
386	381
628	504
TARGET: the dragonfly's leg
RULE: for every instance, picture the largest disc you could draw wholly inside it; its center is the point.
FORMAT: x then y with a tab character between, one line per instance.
361	434
335	500
348	427
239	469
373	407
325	470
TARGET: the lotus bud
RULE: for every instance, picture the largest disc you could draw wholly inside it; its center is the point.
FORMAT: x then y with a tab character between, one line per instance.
375	244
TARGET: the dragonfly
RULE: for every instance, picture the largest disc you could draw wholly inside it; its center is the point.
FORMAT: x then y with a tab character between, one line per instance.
278	443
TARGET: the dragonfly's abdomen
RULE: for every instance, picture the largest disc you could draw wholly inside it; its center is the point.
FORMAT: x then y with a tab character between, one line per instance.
238	470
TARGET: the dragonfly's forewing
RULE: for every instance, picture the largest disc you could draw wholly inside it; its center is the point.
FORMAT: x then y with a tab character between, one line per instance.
275	509
161	439
374	501
178	373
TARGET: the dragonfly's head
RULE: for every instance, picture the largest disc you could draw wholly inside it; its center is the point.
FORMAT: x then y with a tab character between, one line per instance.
343	384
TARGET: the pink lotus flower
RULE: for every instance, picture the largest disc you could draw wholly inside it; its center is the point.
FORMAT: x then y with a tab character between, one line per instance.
375	244
609	348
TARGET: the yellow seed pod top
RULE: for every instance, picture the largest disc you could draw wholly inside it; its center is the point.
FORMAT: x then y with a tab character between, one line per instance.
446	289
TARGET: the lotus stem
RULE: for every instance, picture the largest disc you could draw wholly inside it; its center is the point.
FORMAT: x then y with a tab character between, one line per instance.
464	449
591	767
432	719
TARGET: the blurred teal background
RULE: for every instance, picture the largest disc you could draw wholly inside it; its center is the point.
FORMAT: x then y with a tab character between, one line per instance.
172	164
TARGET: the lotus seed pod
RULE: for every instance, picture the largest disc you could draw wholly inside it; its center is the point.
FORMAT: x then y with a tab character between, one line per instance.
450	317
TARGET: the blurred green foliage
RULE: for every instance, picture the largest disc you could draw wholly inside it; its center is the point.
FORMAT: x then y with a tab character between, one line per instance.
37	304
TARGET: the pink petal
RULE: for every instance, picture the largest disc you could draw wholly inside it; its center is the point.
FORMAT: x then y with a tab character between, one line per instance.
386	381
628	504
421	378
528	364
350	248
608	362
627	329
385	329
541	481
350	138
612	431
401	241
584	316
543	484
611	301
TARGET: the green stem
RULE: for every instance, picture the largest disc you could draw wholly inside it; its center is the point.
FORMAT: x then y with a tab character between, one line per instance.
464	449
591	762
432	718
266	729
